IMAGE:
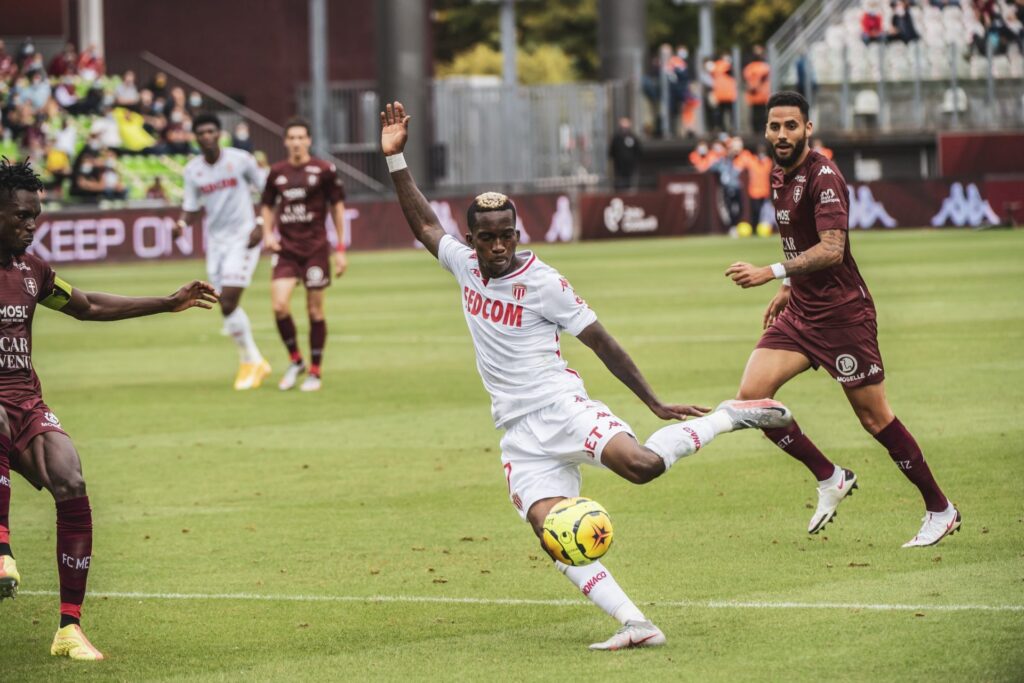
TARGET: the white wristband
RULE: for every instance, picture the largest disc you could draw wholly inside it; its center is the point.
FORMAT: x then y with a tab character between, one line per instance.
786	281
779	271
396	162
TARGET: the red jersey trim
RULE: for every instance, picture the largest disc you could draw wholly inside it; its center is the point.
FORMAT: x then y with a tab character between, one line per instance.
533	257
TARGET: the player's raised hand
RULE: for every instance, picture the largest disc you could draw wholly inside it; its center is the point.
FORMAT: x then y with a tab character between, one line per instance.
776	306
196	294
394	129
678	412
747	275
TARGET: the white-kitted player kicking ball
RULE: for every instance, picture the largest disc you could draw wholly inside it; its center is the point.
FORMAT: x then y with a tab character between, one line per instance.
516	308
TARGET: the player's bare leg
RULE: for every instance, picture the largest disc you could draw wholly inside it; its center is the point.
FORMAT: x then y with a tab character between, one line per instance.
317	337
52	462
600	587
9	576
872	409
767	370
280	300
252	368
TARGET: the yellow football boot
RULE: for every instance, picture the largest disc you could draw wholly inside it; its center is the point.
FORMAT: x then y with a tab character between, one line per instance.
71	642
261	371
9	577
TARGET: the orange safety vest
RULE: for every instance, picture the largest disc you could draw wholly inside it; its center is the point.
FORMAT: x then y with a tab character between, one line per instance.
703	163
759	175
757	75
722	84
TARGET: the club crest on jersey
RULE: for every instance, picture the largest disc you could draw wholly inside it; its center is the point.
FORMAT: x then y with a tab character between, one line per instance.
312	180
519	291
798	192
315	277
846	364
281	180
31	287
51	419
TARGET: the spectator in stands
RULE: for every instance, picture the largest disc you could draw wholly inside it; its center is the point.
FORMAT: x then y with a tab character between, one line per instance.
58	168
702	157
724	89
64	62
153	120
66	95
178	133
156	190
35	90
688	102
625	151
818	146
240	137
86	176
902	23
158	85
7	65
758	77
132	128
871	28
177	99
758	168
730	183
113	187
26	54
105	129
90	64
127	94
195	103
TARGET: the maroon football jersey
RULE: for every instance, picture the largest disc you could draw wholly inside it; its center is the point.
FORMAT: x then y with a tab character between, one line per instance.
24	282
808	200
305	193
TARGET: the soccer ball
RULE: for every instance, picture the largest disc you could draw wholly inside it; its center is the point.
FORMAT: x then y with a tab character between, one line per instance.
577	531
744	229
764	230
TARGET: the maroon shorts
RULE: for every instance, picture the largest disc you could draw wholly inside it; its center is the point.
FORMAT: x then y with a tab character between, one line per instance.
28	419
314	270
849	354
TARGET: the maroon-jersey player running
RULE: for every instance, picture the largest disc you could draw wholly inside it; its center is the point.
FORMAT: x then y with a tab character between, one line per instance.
302	188
823	316
32	441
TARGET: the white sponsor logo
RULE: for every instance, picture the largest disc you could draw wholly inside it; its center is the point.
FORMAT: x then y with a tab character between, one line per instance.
562	223
798	192
800	179
874	370
782	215
865	210
312	180
828	196
90	239
22	266
628	219
51	419
312	169
965	207
846	364
293	193
4	481
315	276
281	180
13	345
75	562
13	314
826	170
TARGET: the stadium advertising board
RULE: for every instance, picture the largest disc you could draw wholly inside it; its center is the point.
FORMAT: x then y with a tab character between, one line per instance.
685	205
145	234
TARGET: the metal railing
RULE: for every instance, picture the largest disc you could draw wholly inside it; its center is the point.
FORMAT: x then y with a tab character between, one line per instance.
806	25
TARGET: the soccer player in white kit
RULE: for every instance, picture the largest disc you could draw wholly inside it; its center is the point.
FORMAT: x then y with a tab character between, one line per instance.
516	307
221	181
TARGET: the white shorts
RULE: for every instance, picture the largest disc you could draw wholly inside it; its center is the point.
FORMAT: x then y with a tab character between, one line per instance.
543	450
231	264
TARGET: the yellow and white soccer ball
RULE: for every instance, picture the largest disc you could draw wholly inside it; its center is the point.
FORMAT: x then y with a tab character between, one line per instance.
577	531
764	229
744	229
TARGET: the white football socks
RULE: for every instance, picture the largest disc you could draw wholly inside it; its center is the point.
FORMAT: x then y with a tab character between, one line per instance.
598	584
686	438
237	325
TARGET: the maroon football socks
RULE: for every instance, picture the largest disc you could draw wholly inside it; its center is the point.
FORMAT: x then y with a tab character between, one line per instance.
796	443
317	340
74	555
905	452
5	496
286	328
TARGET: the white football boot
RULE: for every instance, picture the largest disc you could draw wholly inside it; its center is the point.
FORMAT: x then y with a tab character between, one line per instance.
311	383
831	493
763	413
291	376
937	525
633	634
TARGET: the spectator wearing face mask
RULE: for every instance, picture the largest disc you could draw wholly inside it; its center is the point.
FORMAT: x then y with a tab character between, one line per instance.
158	85
178	135
126	94
113	188
36	91
86	176
90	64
195	103
105	129
702	157
724	89
240	137
64	62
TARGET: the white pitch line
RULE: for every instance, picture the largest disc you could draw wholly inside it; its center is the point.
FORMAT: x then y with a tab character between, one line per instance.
699	604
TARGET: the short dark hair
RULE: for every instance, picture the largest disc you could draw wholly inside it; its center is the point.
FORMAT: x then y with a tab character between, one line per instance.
206	118
789	98
297	122
17	176
487	202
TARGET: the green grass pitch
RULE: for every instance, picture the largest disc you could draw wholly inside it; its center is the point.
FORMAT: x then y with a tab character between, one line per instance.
388	483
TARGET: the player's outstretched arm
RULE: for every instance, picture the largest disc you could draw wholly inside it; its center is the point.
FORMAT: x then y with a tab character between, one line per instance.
394	132
101	306
825	254
622	366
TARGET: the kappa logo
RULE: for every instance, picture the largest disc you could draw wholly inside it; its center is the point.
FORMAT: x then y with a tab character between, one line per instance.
800	179
965	206
866	211
826	170
828	196
798	192
519	291
22	266
30	286
874	370
782	216
846	364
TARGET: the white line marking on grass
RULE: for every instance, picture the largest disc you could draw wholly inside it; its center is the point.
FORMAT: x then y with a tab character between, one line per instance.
698	604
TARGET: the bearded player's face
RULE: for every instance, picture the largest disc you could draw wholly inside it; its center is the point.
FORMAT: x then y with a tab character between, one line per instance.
787	134
297	141
18	215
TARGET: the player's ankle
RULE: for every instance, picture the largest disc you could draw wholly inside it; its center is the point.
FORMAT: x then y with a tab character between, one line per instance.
314	371
5	549
296	357
68	620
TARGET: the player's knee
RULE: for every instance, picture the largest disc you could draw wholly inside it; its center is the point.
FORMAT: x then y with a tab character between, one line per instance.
281	309
228	306
872	422
65	487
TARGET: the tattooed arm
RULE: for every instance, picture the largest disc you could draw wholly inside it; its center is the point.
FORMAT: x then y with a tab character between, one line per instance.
825	254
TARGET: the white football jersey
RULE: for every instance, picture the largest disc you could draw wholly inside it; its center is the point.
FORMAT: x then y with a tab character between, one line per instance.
515	322
225	191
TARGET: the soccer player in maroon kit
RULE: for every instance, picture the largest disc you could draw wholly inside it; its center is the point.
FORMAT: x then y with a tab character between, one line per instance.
823	316
302	188
32	441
